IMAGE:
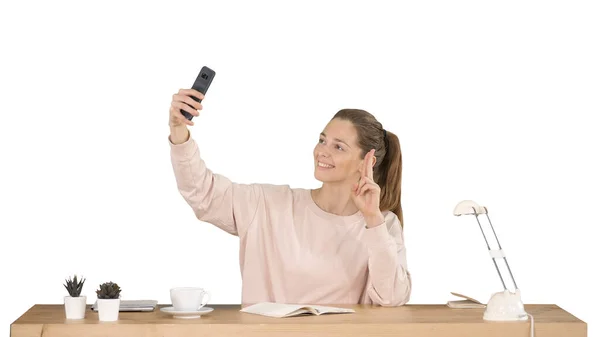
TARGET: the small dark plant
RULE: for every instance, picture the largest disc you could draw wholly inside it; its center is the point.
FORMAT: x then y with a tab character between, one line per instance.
108	290
74	286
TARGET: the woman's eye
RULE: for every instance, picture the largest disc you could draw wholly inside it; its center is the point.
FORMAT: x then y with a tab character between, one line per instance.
321	140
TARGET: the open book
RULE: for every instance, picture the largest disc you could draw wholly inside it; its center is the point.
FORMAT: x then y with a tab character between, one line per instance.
467	303
288	310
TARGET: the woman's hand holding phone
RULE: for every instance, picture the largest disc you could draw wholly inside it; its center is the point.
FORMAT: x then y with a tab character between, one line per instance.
177	121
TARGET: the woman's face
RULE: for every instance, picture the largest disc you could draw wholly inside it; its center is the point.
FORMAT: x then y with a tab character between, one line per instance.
337	155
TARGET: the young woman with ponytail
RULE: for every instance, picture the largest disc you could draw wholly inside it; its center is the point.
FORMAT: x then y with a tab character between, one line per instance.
342	243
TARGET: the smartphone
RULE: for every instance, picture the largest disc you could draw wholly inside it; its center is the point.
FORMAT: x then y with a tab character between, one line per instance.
201	84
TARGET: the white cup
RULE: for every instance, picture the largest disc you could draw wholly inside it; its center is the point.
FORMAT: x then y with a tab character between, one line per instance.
189	298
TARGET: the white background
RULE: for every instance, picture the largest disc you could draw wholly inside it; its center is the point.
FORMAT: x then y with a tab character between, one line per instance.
494	102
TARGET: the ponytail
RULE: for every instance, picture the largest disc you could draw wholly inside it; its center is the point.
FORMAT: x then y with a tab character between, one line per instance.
390	177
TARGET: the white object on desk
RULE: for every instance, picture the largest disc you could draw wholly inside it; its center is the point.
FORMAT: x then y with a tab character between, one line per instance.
280	310
132	305
504	305
466	303
186	313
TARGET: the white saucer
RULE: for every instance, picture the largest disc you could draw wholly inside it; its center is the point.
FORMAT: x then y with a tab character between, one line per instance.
187	314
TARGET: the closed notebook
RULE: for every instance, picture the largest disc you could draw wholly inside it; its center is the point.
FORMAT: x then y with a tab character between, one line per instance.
467	303
133	305
288	310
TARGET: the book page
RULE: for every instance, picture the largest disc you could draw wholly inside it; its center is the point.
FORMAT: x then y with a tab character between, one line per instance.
331	310
465	304
466	297
287	310
274	309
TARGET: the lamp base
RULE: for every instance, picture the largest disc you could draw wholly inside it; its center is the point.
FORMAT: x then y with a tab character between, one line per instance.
505	306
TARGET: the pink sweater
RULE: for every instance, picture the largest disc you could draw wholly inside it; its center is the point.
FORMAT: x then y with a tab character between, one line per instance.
292	251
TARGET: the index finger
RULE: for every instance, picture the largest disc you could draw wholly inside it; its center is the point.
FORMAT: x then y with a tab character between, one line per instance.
192	92
368	164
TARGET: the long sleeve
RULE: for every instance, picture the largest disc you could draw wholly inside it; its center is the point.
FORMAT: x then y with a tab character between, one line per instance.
213	198
389	282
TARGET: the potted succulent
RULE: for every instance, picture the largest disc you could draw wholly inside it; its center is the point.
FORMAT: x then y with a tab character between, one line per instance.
74	302
109	300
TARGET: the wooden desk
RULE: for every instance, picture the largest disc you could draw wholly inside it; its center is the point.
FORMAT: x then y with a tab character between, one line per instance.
226	320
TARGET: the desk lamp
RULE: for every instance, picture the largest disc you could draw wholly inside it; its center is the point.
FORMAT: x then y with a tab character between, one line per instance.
504	305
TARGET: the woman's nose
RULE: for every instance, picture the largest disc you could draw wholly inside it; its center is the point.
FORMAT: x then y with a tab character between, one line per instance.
323	154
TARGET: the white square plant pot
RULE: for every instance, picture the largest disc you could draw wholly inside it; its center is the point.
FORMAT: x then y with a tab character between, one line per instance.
75	307
108	309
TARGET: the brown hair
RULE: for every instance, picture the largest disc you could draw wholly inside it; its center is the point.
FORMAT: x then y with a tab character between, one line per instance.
387	171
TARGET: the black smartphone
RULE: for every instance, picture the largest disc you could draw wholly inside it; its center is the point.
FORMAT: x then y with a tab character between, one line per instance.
201	84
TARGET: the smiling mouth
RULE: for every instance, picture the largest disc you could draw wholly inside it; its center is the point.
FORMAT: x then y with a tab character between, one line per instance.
323	165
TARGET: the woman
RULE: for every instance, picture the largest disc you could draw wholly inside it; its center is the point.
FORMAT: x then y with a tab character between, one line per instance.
339	244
